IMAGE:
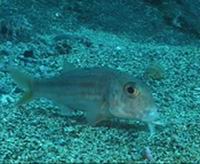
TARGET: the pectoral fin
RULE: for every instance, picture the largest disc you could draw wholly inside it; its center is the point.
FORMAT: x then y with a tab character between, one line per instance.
91	117
65	111
94	118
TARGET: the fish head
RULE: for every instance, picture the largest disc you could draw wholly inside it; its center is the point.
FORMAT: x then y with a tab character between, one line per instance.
131	99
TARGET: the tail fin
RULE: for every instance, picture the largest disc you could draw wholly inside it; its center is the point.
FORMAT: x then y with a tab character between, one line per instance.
23	81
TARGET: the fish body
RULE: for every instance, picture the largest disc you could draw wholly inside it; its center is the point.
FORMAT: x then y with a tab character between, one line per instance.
102	93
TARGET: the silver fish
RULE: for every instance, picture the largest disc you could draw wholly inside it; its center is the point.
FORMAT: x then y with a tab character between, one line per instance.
102	93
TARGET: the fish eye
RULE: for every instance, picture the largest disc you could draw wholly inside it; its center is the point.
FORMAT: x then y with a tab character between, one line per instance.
131	90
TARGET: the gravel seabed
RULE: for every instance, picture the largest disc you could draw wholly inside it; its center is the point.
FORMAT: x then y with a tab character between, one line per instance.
36	133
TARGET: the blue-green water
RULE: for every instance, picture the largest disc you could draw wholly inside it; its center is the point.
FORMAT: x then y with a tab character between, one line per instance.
155	41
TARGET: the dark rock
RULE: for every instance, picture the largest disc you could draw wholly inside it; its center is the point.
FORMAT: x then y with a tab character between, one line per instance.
28	54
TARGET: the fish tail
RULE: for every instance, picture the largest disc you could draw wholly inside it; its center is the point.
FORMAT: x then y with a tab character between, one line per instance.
25	82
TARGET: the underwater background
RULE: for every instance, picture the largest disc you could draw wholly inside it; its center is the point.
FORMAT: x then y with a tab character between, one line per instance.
157	41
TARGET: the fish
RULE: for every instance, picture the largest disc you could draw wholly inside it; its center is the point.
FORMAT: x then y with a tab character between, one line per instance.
102	93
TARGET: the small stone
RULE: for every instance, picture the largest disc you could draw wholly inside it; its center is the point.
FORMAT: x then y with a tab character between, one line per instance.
28	54
155	71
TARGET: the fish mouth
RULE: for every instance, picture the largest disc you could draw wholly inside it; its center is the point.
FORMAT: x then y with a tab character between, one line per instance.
151	116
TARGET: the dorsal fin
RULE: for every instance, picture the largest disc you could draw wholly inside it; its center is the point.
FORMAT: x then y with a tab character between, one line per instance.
68	67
